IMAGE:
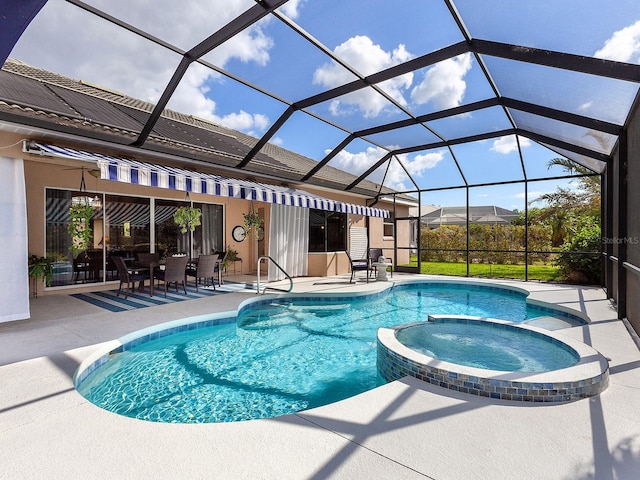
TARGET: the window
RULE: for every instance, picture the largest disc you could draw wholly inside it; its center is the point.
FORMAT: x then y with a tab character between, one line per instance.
327	231
126	223
121	225
208	237
388	226
168	238
69	266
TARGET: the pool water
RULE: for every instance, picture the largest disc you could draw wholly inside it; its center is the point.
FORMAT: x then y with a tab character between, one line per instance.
487	346
280	357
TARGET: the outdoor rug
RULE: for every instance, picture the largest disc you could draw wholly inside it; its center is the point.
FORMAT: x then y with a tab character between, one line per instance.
108	300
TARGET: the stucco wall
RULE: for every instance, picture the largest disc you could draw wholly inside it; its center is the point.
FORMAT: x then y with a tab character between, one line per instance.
42	172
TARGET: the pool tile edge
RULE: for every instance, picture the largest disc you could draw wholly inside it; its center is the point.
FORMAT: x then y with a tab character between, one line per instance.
589	377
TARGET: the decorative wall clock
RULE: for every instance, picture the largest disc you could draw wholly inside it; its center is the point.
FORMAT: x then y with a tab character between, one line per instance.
238	233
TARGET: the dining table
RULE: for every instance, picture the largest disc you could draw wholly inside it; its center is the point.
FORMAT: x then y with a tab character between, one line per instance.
142	266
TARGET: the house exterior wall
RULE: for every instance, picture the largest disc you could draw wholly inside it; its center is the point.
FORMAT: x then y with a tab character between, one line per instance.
401	236
337	263
42	172
327	264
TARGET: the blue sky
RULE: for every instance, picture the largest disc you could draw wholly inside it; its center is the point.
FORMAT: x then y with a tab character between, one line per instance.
369	38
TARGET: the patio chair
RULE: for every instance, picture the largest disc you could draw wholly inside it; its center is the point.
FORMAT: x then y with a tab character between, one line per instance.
129	276
374	254
88	263
175	271
359	264
206	269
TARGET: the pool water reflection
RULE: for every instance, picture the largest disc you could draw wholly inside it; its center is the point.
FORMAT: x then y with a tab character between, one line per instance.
279	356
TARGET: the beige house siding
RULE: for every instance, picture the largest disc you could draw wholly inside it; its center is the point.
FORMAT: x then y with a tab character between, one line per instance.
43	172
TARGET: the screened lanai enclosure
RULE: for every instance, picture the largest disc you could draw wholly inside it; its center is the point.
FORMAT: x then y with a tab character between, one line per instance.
443	103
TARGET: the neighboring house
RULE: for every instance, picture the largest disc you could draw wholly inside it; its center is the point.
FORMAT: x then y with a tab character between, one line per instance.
424	210
414	213
491	215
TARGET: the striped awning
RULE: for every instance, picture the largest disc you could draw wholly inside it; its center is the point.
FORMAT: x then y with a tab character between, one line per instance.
151	175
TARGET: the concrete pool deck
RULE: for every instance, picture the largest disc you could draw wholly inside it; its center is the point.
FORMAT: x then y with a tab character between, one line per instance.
406	429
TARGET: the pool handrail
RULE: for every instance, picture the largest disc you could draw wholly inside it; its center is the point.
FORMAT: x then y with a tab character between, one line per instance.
267	257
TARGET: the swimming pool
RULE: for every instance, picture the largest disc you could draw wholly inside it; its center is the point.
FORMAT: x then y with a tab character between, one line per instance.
278	355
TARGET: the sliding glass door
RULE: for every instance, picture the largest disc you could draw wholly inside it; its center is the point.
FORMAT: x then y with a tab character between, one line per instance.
121	225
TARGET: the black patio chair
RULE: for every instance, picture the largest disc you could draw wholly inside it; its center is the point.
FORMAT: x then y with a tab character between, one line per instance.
129	276
358	265
206	269
175	271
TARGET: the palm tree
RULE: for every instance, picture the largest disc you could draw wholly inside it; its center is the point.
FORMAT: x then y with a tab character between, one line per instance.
588	193
565	205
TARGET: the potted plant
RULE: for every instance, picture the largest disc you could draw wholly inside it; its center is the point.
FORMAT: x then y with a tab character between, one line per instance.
80	226
187	218
230	256
40	268
252	222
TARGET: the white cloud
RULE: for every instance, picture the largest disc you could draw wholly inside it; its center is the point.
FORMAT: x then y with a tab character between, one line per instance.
292	8
191	97
252	124
366	57
623	46
397	177
251	45
532	195
357	163
336	108
443	84
190	94
423	162
508	144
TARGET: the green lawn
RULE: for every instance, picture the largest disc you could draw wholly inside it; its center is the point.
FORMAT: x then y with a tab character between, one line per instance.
545	273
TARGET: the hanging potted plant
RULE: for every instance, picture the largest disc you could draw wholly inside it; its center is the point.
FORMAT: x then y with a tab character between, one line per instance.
187	218
80	226
252	222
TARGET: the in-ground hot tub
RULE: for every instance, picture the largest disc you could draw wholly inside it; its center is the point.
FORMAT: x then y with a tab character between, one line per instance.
492	358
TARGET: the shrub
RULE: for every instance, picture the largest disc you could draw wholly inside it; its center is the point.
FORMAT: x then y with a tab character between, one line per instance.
579	258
